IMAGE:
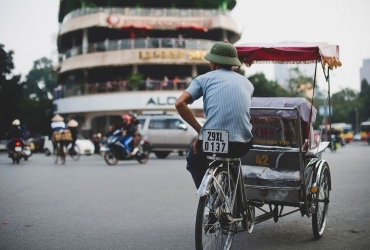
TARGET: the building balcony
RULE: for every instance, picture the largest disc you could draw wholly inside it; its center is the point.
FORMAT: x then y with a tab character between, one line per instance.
128	44
101	23
145	12
126	52
120	86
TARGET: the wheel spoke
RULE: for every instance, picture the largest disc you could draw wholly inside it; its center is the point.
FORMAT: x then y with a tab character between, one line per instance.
216	231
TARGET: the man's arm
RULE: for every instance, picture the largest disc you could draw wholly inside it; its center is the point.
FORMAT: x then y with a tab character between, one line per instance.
184	111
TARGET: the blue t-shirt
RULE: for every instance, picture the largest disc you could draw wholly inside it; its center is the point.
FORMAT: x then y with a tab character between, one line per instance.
227	98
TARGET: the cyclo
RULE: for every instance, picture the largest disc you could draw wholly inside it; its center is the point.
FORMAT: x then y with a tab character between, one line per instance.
284	167
61	139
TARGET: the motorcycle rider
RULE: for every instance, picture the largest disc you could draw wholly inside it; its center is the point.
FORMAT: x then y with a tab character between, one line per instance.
128	130
137	136
15	132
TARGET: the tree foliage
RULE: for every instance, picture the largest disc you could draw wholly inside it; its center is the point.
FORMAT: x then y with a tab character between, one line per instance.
299	84
266	88
41	81
364	98
10	91
27	101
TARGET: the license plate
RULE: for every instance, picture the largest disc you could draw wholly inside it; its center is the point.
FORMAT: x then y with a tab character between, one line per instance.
18	149
216	141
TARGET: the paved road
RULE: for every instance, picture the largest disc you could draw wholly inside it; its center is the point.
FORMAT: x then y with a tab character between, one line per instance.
89	205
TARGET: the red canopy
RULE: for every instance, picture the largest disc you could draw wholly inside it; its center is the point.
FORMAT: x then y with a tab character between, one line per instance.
191	28
289	53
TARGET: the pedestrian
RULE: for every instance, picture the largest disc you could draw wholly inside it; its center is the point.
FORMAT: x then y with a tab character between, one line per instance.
175	81
72	126
227	97
148	83
164	84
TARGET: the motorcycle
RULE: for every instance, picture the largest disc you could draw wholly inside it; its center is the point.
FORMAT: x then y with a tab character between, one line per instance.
334	143
27	152
17	153
114	150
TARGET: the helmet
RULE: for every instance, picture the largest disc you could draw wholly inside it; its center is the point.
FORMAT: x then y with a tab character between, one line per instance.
126	116
16	122
223	53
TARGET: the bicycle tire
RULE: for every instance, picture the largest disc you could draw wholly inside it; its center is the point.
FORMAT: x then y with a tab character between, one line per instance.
56	155
322	203
212	228
62	151
77	154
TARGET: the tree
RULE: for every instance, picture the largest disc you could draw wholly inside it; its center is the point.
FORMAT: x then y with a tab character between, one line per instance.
266	88
41	80
344	103
37	103
10	91
365	99
135	80
298	84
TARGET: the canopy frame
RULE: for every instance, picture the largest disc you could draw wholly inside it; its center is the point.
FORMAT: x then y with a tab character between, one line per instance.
294	53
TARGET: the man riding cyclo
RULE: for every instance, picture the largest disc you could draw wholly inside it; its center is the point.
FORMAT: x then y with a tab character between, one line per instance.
57	125
72	126
226	99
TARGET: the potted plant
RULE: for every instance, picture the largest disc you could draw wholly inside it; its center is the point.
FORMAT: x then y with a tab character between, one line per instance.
135	81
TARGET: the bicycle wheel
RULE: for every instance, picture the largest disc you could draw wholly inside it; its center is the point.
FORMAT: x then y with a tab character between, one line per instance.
76	154
322	203
213	229
56	155
63	154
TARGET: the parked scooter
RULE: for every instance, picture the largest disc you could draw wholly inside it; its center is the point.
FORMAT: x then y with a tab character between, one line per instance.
27	152
114	150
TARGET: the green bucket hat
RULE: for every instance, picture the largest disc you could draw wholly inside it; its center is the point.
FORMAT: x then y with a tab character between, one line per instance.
223	53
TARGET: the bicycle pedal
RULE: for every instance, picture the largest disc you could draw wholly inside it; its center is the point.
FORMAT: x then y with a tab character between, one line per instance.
233	220
256	203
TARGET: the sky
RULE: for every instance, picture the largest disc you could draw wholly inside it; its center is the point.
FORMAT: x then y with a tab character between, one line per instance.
30	28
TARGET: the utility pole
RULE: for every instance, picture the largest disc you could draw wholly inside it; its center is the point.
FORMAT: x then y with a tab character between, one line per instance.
356	110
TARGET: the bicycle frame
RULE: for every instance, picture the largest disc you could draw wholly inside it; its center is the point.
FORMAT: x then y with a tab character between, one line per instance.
240	193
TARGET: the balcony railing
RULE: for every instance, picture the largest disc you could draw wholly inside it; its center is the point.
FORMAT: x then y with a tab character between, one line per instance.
123	44
155	12
69	90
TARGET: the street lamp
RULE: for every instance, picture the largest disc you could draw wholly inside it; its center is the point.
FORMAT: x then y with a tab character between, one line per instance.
356	110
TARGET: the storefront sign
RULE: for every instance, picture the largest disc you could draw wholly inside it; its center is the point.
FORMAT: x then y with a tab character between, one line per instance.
156	22
113	19
172	54
162	101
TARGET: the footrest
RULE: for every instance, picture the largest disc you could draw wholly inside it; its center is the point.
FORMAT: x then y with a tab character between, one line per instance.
256	203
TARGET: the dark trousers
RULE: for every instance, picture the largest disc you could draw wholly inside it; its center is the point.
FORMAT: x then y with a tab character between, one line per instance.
197	164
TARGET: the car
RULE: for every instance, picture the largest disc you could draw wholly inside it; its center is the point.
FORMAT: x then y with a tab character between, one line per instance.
357	137
86	146
167	133
3	145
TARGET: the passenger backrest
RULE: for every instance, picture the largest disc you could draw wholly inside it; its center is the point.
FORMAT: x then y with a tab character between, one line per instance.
280	132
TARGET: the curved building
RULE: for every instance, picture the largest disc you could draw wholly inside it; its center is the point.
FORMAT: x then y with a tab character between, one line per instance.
117	57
